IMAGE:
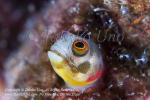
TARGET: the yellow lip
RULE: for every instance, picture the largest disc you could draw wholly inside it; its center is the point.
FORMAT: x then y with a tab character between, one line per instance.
62	68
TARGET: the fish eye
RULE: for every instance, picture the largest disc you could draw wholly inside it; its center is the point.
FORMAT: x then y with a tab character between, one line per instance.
80	47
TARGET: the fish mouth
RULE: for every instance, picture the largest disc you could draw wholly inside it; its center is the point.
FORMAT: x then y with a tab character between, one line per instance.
55	58
54	52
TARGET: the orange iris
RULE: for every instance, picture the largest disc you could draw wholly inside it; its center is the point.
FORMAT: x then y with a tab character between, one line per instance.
80	47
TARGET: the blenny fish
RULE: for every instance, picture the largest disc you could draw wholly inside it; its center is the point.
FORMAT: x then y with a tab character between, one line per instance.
78	61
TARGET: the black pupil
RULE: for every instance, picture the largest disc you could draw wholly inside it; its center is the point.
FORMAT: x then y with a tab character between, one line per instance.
79	44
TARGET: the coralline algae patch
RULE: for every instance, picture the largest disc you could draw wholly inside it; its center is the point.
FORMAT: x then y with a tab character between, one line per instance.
134	15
